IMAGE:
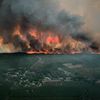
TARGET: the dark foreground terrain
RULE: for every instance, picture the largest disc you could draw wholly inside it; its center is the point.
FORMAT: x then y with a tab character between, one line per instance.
49	77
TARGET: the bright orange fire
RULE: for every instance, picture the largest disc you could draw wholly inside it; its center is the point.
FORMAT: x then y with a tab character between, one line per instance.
33	32
17	32
1	41
46	42
52	40
38	52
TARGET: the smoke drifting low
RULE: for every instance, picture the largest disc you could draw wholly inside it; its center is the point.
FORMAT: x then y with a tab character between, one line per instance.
43	16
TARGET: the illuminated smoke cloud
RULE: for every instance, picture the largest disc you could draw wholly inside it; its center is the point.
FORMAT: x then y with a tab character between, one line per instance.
42	15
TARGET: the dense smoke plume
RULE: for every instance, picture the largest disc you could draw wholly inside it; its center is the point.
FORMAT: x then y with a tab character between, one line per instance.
19	17
43	15
90	11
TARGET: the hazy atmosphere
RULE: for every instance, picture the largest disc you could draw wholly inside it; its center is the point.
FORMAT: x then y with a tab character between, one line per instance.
50	49
19	19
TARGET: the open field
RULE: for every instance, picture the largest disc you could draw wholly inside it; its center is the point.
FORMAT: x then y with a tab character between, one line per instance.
75	77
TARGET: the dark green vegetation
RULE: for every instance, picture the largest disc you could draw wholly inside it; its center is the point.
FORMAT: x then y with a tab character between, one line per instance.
71	77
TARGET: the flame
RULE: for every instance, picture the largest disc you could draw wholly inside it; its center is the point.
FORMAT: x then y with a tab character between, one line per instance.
1	41
44	42
38	52
17	31
52	40
33	32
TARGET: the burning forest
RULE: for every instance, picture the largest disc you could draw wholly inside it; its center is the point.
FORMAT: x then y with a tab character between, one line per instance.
36	27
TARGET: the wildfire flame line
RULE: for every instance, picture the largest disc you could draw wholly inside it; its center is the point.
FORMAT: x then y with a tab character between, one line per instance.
44	43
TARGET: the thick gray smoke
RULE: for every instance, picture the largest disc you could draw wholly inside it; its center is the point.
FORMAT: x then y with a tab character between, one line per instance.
43	15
